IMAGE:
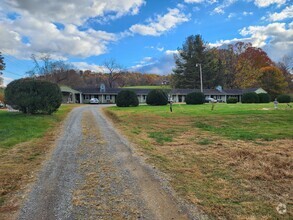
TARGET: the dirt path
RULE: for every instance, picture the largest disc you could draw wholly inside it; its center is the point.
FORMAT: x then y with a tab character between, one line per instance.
93	174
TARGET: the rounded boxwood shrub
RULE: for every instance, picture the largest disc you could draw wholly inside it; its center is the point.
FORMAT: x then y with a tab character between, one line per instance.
283	98
157	97
195	98
126	98
33	96
232	100
250	97
264	98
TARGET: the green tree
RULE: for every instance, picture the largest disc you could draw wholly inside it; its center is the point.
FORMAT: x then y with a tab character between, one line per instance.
186	74
2	67
2	63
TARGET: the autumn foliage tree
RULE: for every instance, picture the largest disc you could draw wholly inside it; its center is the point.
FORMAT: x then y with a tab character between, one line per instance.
249	63
273	81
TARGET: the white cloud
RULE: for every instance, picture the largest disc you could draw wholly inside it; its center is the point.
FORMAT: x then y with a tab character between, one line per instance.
45	37
86	66
161	24
35	30
231	15
75	11
194	1
286	13
266	3
246	13
220	9
162	65
200	1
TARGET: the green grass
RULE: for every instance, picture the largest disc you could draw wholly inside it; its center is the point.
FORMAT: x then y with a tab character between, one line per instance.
238	121
16	127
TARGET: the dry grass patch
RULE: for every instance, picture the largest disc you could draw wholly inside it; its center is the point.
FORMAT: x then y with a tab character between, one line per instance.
229	179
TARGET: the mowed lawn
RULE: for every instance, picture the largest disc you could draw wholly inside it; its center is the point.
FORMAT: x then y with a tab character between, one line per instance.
233	162
24	142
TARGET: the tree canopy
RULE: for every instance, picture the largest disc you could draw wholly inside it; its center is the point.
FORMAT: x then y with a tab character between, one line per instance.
238	65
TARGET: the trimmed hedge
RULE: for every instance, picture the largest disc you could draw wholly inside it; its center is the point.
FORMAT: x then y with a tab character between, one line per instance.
250	97
264	98
232	100
157	97
33	96
195	98
284	99
126	98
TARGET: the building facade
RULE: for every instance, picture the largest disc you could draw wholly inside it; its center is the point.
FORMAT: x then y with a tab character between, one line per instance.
109	95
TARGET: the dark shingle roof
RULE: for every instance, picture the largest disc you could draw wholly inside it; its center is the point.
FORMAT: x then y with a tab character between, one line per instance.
96	90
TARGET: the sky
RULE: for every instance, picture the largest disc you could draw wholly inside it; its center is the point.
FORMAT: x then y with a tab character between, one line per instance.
141	35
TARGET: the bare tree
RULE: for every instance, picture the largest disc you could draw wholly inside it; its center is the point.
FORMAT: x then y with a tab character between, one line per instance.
114	71
56	71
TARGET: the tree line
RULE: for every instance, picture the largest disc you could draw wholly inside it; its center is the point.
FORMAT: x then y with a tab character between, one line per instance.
239	65
113	75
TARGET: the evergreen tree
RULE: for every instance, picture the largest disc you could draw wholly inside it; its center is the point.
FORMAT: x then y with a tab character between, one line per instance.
187	75
2	63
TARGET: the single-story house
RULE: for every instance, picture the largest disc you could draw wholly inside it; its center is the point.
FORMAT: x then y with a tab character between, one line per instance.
109	95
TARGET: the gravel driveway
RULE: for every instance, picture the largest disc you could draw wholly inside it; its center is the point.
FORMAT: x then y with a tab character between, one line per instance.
93	174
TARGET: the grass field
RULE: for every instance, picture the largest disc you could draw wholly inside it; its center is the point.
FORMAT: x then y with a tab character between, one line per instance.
234	162
24	142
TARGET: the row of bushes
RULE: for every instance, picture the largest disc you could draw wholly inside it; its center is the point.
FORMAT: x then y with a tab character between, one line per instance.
252	97
158	97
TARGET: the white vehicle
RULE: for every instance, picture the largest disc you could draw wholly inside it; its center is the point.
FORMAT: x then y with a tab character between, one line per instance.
211	100
94	101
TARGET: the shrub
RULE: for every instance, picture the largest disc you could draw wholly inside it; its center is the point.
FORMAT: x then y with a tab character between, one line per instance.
126	98
250	97
33	96
283	98
157	97
232	100
194	98
264	98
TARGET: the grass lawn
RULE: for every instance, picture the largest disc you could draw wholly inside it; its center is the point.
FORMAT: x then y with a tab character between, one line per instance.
24	142
234	162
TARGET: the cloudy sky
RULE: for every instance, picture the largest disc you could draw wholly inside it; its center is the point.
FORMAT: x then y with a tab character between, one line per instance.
140	35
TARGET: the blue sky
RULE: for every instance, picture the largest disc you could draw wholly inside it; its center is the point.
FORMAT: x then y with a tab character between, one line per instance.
141	35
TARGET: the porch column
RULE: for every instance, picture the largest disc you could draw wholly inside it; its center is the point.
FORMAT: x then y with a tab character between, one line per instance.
80	98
